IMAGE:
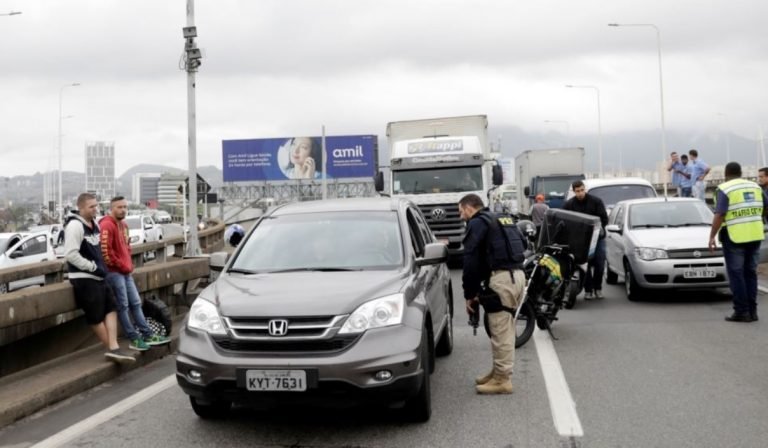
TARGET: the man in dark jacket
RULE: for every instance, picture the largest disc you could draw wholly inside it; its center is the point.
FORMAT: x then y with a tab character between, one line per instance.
86	274
588	204
493	258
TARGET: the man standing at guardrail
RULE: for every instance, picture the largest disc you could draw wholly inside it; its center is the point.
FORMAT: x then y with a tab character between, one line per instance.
86	274
699	171
117	256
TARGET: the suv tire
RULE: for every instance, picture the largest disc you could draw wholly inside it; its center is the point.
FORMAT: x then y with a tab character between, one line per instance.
445	344
419	407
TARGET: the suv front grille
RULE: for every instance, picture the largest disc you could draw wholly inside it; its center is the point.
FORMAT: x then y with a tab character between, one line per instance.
301	328
277	345
450	224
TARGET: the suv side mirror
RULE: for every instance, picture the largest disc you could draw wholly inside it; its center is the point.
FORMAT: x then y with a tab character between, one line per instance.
434	253
378	181
613	228
497	175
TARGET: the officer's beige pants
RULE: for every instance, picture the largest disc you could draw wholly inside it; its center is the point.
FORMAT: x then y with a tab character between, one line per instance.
502	323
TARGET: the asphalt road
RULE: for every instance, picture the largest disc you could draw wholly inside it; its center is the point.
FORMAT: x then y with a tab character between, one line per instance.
663	373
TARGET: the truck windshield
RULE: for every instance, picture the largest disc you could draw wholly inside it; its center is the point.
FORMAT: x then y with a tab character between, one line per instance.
438	180
553	187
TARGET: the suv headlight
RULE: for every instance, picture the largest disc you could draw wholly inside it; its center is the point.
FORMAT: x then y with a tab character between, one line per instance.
381	312
649	254
204	316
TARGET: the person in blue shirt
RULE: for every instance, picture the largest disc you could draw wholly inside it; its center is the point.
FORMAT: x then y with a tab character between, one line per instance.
699	171
686	173
675	166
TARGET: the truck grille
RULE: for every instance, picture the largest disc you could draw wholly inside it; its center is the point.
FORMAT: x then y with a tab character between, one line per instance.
301	328
443	219
278	345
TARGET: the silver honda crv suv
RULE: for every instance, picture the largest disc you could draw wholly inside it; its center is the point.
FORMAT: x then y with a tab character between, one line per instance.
342	301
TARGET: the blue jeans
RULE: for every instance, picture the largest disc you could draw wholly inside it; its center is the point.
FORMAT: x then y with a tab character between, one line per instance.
686	192
593	281
128	304
741	264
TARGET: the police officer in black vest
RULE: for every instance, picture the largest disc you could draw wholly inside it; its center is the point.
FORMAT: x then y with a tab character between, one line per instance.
493	275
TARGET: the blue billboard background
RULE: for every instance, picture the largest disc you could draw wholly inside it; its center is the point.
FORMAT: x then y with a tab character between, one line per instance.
273	159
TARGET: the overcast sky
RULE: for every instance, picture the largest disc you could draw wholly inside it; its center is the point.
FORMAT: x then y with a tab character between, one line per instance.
285	67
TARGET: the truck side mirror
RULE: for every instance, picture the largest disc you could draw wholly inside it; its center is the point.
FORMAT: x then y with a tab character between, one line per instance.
497	174
527	191
378	181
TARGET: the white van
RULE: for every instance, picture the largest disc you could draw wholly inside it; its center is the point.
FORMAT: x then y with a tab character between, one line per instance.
617	189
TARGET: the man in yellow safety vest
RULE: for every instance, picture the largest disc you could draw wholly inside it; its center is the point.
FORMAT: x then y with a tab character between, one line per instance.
739	210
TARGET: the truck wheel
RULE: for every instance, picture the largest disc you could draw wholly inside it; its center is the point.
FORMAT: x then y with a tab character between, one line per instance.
158	316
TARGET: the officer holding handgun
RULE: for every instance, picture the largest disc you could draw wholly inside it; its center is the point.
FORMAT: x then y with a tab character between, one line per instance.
493	277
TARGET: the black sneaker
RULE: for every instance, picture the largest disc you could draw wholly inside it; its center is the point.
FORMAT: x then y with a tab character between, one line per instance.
753	315
739	317
119	356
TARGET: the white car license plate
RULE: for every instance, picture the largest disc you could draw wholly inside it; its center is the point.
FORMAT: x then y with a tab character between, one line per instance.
699	273
276	380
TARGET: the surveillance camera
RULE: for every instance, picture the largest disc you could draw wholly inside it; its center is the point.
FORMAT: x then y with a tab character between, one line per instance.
194	53
190	31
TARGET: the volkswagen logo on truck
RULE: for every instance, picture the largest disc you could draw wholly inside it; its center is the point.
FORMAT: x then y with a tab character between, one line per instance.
438	214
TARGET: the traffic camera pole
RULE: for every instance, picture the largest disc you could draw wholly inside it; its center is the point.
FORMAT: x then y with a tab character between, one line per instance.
191	63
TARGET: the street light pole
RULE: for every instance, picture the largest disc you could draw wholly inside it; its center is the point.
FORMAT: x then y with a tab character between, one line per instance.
192	58
661	94
567	130
599	126
61	192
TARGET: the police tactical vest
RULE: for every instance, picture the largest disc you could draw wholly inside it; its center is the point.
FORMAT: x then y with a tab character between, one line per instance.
744	218
504	242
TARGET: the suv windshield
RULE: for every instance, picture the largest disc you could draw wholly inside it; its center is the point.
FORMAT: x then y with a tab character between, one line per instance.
323	241
613	194
669	214
440	180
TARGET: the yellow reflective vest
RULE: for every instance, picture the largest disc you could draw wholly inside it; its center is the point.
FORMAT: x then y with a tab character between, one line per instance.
744	218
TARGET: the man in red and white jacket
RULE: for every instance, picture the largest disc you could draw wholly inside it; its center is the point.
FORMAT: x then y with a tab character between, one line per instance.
116	252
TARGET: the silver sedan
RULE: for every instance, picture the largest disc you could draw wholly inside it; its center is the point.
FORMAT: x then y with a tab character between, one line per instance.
662	243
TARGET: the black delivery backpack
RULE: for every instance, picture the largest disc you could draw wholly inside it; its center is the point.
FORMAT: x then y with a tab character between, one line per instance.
576	230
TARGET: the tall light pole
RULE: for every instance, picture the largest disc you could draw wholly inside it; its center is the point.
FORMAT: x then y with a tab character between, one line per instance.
191	60
661	94
567	130
599	126
727	136
61	192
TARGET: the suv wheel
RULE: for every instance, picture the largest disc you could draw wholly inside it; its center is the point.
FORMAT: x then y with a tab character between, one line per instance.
419	407
210	411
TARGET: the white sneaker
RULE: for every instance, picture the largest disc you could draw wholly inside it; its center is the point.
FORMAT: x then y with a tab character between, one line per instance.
588	295
599	294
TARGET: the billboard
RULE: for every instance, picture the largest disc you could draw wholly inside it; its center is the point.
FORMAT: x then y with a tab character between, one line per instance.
289	158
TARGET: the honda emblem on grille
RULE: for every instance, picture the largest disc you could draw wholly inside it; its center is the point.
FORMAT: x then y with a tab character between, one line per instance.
278	327
438	214
696	254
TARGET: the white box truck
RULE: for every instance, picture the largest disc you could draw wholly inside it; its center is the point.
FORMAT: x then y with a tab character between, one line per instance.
435	162
549	172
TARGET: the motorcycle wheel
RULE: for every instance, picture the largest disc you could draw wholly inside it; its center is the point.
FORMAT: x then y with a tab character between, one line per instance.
571	293
524	326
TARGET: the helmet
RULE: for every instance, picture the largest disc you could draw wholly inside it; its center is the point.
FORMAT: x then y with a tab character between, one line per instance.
234	234
526	227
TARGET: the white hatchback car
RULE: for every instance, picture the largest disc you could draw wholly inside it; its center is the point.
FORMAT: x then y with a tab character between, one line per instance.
143	229
662	243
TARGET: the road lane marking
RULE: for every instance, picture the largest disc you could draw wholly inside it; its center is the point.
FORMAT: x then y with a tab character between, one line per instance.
107	414
762	289
561	402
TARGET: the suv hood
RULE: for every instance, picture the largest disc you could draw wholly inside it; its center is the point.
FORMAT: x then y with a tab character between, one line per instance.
303	293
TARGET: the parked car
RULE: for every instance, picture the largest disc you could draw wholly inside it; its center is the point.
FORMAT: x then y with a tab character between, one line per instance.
346	299
614	190
18	249
143	229
163	217
662	243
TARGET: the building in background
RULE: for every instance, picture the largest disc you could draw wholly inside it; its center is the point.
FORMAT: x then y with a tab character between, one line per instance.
144	188
100	169
168	195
